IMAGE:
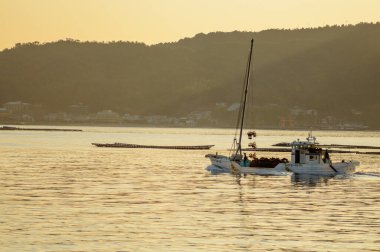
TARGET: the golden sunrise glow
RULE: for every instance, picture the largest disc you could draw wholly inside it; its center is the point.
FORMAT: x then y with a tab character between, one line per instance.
155	21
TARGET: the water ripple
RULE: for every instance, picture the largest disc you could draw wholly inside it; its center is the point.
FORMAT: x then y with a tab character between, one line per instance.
70	196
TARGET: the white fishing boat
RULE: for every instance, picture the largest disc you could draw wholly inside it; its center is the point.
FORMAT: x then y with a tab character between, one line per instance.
222	163
309	158
238	162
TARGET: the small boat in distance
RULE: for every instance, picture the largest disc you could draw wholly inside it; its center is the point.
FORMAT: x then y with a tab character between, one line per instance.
38	129
180	147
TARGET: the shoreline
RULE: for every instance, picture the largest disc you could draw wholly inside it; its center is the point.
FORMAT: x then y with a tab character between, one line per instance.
17	127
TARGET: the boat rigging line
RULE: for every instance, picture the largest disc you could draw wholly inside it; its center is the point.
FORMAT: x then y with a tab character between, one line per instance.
238	150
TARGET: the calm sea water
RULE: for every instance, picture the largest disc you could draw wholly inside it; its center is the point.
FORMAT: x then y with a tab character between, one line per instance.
59	193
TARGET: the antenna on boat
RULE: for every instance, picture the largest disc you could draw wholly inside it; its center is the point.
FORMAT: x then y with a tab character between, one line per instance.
310	136
238	150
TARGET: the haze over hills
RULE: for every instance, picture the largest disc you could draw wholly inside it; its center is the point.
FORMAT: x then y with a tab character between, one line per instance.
331	70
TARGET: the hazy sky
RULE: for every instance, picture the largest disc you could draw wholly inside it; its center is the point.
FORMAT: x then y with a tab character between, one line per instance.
154	21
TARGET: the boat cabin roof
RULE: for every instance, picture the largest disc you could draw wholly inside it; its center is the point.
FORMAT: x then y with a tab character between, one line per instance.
303	144
309	143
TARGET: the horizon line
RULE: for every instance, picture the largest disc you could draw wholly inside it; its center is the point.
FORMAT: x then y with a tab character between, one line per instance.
176	41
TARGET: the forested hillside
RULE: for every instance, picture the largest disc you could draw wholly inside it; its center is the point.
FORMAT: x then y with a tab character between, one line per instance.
334	70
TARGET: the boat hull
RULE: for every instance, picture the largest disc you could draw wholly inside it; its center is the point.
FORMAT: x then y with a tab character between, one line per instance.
134	146
325	168
224	164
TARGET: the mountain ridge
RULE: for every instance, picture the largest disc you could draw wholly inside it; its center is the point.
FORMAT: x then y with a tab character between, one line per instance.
331	69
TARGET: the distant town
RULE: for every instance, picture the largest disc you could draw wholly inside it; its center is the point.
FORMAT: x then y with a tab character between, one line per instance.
19	112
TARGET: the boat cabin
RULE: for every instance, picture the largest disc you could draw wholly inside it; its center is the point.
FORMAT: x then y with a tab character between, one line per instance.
306	152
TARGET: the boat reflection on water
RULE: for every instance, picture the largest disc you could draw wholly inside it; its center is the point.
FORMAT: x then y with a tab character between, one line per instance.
310	179
214	170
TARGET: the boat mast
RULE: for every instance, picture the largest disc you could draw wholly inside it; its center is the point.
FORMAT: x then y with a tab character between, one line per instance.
238	151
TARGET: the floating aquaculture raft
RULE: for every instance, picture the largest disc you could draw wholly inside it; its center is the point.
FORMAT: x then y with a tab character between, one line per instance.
124	145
